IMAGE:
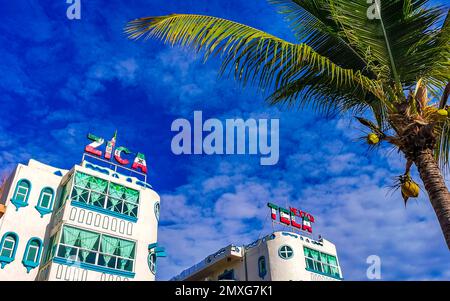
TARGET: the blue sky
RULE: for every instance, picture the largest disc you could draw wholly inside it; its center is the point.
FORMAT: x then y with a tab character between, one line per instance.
62	79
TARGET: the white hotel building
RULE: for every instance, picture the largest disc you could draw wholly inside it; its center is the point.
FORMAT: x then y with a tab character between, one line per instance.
86	223
280	256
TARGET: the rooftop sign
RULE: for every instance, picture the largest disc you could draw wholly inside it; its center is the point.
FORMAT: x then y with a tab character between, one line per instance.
117	152
288	217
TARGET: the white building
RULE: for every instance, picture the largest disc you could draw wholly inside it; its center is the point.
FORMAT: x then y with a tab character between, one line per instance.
86	223
280	256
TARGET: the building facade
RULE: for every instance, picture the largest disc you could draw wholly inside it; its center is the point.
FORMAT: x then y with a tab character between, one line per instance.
86	223
280	256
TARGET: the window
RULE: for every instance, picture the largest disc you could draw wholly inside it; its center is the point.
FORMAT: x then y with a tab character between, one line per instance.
321	263
96	249
21	194
151	260
45	202
157	210
32	254
285	252
262	270
108	197
8	247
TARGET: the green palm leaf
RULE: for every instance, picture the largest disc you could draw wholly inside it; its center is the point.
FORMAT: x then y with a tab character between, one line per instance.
253	55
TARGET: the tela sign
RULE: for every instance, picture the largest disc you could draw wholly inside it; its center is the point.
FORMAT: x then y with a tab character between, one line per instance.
287	217
92	148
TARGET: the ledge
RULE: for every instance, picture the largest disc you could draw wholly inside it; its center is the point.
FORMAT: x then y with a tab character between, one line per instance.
324	274
104	211
93	267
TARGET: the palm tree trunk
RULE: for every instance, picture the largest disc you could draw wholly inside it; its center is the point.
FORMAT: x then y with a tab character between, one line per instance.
437	191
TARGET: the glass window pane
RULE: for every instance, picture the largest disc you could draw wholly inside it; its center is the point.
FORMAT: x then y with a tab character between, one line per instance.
32	254
6	253
45	202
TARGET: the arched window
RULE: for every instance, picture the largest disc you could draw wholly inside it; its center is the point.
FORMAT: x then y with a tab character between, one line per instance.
285	252
262	270
151	260
8	247
21	194
45	202
32	254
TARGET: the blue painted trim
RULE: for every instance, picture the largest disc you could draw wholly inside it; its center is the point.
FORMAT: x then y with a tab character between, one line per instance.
58	173
29	265
97	168
143	184
153	245
93	267
104	211
3	259
43	211
289	234
323	274
18	203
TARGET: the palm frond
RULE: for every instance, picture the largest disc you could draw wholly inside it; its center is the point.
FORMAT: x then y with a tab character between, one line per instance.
254	56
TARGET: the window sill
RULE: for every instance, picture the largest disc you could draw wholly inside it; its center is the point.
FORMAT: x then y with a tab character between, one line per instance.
104	211
29	265
324	274
93	267
18	204
5	260
43	211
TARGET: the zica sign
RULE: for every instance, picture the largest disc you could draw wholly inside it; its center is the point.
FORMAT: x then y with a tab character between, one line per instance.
93	148
288	217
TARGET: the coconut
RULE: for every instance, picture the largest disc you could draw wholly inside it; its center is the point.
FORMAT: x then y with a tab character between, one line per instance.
410	189
442	112
372	139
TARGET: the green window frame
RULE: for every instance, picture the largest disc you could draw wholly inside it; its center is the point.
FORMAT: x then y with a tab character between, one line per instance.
321	263
32	254
45	202
151	261
8	248
286	252
21	194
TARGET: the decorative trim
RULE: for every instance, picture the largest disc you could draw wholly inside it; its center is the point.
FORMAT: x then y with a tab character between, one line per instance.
43	211
323	274
3	259
93	267
18	203
29	265
103	210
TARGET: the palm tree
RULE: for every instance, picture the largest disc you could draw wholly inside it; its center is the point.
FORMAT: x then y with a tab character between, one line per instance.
391	67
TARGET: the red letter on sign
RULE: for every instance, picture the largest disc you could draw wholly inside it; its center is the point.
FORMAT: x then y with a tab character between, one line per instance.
91	148
294	213
139	162
273	210
118	151
285	216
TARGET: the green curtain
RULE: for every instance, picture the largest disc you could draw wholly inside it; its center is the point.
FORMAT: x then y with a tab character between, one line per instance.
130	208
131	195
87	241
332	260
98	184
109	246
127	251
114	202
69	237
314	254
116	190
307	252
82	179
323	257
